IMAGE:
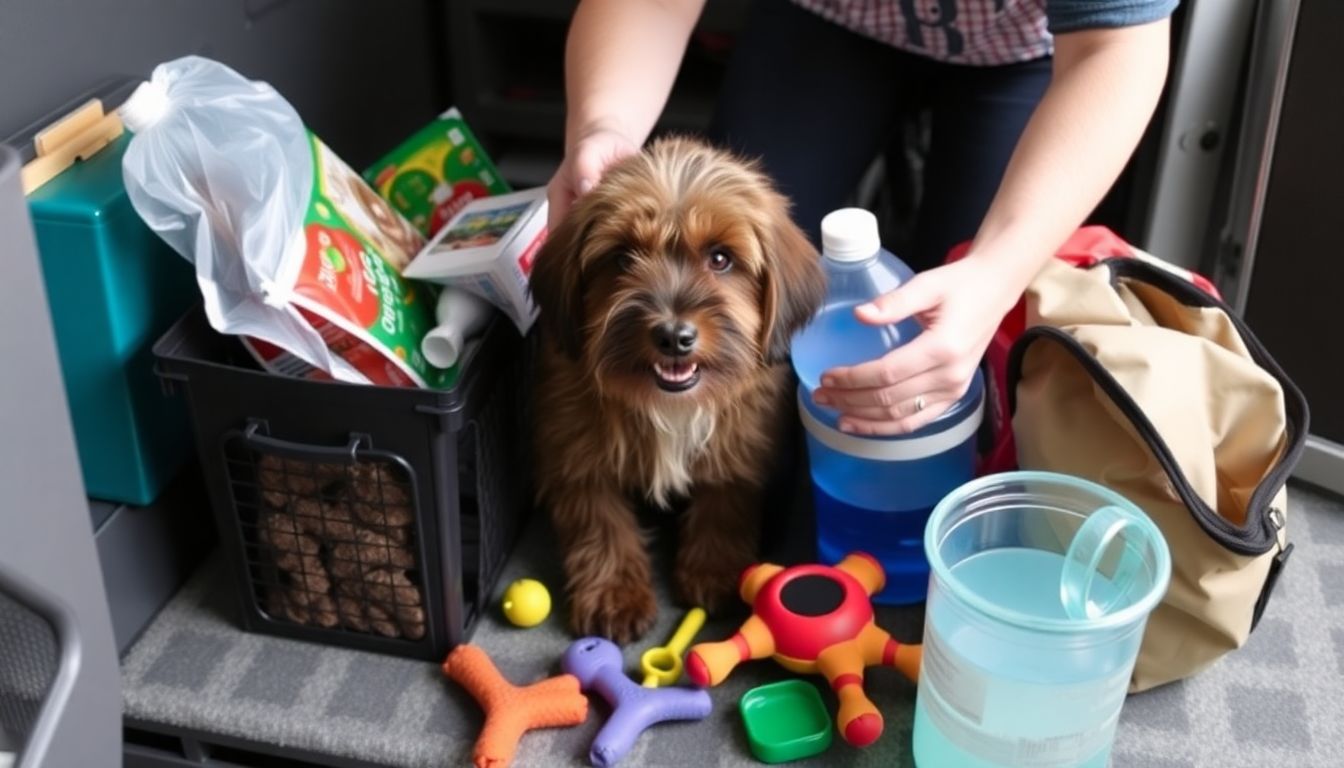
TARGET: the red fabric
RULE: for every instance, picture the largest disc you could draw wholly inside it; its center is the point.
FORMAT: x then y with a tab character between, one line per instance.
1086	247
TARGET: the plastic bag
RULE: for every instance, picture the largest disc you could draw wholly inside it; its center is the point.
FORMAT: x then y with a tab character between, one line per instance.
221	168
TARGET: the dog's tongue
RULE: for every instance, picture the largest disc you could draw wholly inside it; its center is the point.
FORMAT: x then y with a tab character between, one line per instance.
676	372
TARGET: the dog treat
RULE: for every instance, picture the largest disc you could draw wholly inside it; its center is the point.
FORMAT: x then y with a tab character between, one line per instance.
364	616
362	549
333	522
382	497
295	550
295	553
384	594
367	553
280	478
393	590
302	608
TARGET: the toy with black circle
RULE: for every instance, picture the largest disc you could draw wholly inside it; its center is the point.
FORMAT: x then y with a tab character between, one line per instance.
814	619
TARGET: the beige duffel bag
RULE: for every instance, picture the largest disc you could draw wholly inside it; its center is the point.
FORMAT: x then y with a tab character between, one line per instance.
1132	377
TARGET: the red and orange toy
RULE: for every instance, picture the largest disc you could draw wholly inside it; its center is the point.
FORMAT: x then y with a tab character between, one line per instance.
814	619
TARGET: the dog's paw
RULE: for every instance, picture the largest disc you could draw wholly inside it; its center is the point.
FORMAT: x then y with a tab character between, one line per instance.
706	583
620	612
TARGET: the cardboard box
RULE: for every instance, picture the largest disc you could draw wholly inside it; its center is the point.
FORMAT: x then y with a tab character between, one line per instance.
488	249
435	172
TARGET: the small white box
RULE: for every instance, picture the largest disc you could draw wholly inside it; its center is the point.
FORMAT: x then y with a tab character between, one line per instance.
488	249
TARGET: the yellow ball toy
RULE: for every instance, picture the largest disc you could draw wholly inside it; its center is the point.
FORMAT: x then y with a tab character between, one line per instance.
526	603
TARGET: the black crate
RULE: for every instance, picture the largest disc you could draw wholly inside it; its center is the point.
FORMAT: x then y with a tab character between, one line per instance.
369	517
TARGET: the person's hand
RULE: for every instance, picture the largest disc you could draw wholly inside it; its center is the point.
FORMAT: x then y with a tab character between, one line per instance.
960	306
585	161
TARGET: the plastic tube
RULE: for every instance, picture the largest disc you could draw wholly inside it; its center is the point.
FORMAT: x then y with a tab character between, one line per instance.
460	315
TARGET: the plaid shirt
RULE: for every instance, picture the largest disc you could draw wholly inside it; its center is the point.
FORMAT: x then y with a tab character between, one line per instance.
981	32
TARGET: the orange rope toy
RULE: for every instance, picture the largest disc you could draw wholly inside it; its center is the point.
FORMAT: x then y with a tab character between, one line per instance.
511	710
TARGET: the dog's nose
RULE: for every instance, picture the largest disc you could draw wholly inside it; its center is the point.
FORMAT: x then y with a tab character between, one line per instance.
675	339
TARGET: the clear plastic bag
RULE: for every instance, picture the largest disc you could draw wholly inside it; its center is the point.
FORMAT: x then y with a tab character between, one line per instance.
222	169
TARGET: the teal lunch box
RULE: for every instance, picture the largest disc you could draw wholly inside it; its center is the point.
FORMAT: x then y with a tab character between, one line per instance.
113	287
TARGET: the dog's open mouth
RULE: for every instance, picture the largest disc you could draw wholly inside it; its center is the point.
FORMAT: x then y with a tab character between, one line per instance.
678	376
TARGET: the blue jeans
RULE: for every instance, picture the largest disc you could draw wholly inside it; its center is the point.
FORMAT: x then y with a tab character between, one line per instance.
816	103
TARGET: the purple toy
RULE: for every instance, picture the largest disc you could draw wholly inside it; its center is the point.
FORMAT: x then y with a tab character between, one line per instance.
597	664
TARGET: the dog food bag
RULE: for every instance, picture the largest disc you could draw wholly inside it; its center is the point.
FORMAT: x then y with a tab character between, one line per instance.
293	250
431	175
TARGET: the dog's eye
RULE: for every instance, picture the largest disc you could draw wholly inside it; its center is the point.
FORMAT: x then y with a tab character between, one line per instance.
720	260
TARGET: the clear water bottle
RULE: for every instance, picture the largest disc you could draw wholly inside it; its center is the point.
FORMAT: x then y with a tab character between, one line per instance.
874	493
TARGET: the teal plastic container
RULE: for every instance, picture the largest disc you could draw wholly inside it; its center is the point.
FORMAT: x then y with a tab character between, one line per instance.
1042	585
113	287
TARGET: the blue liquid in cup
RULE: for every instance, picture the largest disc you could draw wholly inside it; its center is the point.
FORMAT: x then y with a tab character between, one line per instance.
975	712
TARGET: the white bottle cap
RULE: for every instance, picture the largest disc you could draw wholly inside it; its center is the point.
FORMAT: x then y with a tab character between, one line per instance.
145	107
442	346
849	234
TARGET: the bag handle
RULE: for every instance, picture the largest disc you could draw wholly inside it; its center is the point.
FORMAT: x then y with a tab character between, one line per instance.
1296	411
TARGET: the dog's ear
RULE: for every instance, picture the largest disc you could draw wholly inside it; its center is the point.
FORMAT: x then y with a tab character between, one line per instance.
557	284
794	284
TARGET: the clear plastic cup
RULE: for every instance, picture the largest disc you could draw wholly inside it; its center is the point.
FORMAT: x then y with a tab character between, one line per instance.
1041	585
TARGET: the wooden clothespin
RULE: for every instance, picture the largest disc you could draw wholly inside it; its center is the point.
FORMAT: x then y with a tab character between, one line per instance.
76	136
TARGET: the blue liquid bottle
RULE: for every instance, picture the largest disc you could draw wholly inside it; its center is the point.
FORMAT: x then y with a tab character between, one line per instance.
874	493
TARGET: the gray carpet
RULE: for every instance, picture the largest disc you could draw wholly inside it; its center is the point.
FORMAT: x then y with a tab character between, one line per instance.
1278	701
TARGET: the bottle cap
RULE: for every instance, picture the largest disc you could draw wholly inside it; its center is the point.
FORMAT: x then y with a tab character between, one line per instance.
849	234
442	346
145	106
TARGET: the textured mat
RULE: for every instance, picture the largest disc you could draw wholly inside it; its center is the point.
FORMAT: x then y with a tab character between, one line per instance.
1278	701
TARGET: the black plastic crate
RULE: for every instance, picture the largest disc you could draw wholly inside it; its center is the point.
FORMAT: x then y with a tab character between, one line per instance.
369	517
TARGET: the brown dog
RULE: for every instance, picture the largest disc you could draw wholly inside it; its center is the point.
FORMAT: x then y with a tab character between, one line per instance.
667	299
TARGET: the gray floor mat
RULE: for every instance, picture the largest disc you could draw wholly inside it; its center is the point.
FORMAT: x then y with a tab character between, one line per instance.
1278	701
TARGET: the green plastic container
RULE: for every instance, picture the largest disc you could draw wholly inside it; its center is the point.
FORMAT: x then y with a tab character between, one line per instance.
785	721
113	287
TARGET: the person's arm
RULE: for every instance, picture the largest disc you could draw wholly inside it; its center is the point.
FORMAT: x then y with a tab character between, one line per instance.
621	59
1105	87
1103	92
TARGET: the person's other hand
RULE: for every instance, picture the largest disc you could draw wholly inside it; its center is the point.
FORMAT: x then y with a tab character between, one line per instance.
585	161
960	306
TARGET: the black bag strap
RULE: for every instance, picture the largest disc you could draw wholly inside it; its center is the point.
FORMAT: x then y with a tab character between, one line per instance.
1260	534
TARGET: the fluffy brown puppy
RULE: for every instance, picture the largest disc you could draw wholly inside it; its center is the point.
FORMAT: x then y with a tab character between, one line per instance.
667	296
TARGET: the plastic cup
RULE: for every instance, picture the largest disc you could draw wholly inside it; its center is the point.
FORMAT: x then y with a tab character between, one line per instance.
1041	585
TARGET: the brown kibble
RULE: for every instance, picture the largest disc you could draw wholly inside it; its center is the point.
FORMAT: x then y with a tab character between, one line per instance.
310	516
351	611
332	521
280	478
383	497
323	612
392	587
300	608
369	551
310	583
283	534
393	517
394	594
296	554
363	616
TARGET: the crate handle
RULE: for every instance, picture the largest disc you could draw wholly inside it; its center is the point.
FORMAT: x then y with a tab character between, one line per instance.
256	435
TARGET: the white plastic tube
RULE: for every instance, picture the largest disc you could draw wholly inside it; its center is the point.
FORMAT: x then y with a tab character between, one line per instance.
460	315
